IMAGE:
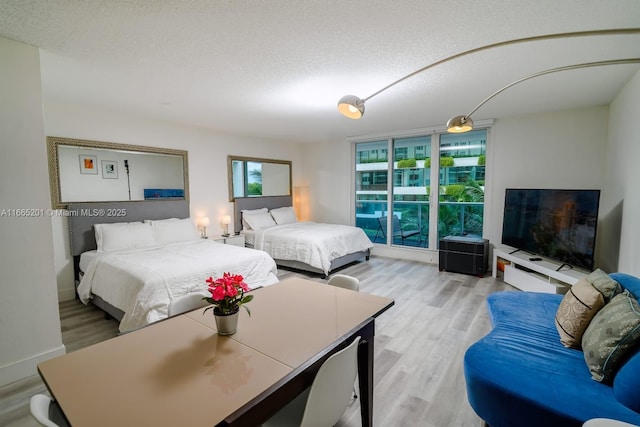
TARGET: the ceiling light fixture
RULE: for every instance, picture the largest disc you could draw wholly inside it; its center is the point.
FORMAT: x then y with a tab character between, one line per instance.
352	106
461	124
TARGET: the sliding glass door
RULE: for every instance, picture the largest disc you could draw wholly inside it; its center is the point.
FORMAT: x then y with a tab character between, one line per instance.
394	195
371	182
411	178
461	179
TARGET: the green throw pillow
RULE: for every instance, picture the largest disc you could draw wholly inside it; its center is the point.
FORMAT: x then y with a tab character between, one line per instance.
613	331
608	287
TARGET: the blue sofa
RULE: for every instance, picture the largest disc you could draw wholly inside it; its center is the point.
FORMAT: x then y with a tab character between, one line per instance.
521	375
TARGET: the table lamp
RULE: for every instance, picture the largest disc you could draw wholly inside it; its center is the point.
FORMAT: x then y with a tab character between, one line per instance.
203	222
226	220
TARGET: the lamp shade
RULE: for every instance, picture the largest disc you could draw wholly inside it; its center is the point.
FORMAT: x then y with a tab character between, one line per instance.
301	202
203	221
351	106
226	220
459	124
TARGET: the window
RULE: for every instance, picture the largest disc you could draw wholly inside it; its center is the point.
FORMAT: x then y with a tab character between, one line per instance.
399	214
461	194
410	219
371	185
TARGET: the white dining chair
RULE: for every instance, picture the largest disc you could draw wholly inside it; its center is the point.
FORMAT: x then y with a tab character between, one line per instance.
605	422
185	303
325	401
344	281
46	411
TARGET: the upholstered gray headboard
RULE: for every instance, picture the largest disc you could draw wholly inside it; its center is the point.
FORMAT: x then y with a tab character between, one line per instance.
84	215
269	202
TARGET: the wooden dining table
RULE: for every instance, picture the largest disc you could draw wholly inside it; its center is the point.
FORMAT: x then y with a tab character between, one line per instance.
180	372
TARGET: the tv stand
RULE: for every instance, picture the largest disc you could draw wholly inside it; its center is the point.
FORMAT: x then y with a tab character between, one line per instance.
520	250
536	276
564	265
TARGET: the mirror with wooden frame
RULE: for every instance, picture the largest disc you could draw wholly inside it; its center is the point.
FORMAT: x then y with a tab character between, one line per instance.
256	177
94	171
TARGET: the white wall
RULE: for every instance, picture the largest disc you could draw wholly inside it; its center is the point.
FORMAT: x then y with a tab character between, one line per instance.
328	168
621	207
207	163
29	320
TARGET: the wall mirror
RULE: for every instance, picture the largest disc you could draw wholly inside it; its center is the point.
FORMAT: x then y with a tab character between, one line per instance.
255	177
93	171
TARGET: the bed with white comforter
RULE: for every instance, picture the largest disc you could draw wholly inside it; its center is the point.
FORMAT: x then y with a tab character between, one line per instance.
141	282
311	243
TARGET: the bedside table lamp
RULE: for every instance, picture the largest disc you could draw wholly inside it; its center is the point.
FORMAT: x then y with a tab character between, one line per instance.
225	221
203	222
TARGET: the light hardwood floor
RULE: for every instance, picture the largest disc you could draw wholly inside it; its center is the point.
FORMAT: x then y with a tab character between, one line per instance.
419	346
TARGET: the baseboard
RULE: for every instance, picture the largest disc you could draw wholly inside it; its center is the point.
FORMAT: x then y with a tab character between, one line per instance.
67	294
27	367
408	253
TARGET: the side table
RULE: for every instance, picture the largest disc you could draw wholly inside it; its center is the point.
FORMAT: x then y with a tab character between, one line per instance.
236	240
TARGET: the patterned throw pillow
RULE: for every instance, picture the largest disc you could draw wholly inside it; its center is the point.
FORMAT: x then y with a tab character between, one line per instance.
576	310
608	287
611	334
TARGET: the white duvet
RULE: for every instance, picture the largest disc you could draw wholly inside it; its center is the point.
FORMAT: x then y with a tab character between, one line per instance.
315	244
142	282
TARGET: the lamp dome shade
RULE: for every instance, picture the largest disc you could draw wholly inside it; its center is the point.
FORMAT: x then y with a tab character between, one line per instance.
459	124
351	106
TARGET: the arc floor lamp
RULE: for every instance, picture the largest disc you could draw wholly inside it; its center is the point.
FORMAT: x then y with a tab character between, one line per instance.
461	124
352	106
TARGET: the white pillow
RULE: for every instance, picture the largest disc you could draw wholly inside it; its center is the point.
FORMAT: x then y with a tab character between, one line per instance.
174	230
250	212
284	215
123	236
254	211
259	221
149	221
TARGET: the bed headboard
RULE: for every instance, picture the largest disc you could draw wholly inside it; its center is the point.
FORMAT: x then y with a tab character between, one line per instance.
269	202
84	215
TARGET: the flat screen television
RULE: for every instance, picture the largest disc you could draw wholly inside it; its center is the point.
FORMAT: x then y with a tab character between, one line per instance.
557	224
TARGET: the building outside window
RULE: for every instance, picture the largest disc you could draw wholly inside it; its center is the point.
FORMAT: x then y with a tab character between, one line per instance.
462	173
398	213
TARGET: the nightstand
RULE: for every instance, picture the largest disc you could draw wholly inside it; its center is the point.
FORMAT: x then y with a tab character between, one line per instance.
236	240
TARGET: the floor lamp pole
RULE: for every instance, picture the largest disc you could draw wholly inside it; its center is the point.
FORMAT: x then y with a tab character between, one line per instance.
126	166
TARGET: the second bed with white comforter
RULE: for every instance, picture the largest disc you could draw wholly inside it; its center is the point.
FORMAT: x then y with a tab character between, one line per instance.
315	244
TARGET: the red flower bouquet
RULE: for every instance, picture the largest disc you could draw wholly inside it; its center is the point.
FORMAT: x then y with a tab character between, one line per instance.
228	294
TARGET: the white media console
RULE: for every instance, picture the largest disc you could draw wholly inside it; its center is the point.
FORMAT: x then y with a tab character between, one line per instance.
533	275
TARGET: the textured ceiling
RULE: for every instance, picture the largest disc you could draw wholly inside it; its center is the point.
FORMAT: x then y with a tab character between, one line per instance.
275	69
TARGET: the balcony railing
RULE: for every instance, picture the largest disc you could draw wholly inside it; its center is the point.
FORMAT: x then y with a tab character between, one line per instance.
371	187
455	218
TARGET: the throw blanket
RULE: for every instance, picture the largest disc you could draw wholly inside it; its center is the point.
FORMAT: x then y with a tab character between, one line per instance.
312	243
142	282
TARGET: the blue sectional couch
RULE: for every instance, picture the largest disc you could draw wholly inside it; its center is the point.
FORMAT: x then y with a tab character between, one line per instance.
521	375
